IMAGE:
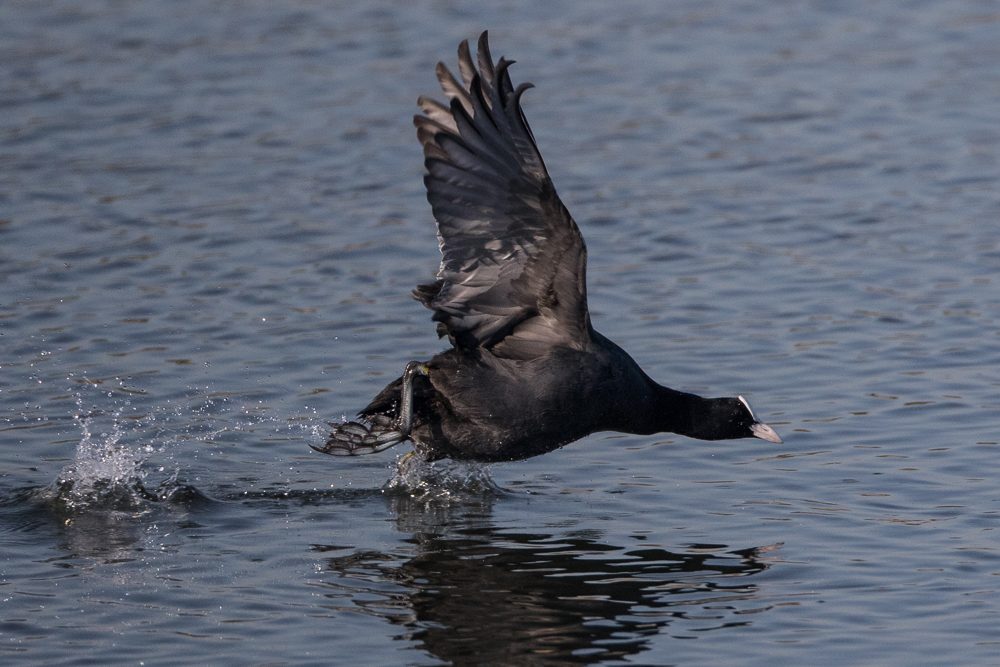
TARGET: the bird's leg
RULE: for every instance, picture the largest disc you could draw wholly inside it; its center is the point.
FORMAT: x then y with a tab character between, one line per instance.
405	422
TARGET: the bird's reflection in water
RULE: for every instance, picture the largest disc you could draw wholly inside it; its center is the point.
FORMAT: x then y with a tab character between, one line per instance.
478	594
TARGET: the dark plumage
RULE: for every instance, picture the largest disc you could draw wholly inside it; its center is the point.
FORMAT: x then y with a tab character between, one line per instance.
527	373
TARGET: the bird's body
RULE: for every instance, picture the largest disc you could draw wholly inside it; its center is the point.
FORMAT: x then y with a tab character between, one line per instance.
527	372
489	408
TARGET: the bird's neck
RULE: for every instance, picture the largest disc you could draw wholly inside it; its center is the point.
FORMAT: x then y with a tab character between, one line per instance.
643	406
672	411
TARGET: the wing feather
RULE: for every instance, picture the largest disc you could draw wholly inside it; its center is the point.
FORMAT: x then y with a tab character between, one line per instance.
513	267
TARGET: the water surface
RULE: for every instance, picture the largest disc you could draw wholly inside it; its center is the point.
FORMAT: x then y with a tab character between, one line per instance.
211	217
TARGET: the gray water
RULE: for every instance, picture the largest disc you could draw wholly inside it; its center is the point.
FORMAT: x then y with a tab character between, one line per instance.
211	217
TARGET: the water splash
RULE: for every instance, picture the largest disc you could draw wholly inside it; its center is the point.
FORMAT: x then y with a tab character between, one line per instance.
107	472
445	480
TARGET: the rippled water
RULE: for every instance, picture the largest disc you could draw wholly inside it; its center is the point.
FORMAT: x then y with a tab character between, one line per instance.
212	214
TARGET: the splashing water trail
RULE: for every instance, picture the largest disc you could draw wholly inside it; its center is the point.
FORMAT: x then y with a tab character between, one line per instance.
111	468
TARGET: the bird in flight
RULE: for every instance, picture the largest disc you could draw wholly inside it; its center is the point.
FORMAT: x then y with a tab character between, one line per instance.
526	372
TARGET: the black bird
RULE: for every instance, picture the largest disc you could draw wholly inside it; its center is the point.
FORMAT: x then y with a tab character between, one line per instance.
526	373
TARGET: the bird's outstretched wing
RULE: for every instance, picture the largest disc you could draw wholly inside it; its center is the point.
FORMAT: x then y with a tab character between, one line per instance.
513	267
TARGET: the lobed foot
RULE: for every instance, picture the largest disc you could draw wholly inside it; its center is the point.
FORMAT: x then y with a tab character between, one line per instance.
354	439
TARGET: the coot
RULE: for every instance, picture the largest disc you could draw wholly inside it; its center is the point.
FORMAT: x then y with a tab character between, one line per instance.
526	372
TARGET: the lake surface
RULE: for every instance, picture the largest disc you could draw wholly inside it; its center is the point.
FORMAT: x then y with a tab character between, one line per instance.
211	218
